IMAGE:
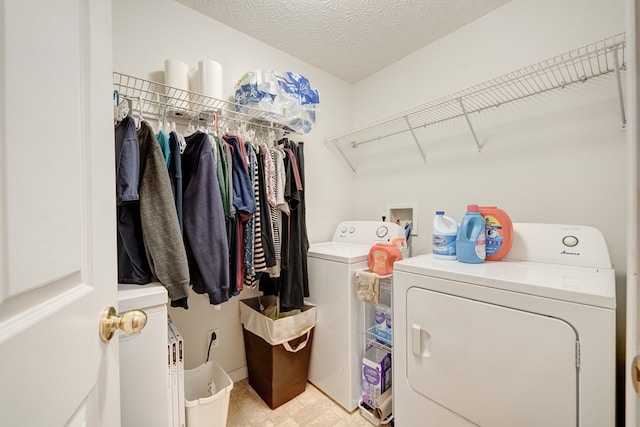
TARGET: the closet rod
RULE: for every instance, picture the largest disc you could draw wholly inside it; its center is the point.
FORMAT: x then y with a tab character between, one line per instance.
168	111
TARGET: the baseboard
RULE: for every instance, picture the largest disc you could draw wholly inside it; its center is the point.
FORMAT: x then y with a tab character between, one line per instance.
238	374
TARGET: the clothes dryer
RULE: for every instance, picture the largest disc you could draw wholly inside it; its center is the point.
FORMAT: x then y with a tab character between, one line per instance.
338	337
526	341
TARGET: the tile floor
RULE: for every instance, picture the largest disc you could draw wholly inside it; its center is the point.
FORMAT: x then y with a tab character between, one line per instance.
311	408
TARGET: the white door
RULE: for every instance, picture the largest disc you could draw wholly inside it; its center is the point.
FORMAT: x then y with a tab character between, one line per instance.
632	374
57	214
492	365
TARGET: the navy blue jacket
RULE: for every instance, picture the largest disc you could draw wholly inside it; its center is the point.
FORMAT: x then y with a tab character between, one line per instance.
203	220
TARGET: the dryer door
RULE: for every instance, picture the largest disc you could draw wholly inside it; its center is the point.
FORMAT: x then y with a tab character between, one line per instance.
492	365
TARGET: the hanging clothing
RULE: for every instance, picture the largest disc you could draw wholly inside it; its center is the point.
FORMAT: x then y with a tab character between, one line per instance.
257	253
163	142
222	172
175	174
265	213
294	285
244	202
249	227
204	221
243	198
160	228
133	266
303	238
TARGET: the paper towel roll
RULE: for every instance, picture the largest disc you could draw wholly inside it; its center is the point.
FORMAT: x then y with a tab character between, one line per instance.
383	407
176	74
194	86
210	78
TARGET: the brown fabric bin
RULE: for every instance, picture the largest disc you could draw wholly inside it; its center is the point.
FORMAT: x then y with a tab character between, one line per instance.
276	374
277	351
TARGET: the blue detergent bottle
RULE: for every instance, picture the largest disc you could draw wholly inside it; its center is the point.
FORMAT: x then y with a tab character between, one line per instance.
471	241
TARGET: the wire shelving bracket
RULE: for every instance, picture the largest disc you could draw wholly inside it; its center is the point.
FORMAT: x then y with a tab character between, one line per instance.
578	65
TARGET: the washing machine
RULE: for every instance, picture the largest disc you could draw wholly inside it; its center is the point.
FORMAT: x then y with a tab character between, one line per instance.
338	337
528	341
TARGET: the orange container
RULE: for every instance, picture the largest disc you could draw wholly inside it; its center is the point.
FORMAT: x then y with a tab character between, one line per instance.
499	232
382	256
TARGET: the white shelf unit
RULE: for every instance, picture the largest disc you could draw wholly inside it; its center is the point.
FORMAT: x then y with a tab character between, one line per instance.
578	65
156	100
373	340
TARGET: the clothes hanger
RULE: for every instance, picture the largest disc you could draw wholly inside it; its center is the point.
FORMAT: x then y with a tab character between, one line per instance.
140	117
190	129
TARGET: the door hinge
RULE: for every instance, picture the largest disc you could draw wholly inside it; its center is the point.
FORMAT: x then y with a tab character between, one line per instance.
577	354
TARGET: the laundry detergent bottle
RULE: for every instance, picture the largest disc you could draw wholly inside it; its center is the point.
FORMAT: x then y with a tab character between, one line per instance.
445	232
470	244
499	231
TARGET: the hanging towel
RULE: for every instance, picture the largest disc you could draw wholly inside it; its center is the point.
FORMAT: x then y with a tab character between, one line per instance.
368	286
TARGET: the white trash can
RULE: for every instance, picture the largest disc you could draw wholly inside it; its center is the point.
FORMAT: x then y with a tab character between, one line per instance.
206	395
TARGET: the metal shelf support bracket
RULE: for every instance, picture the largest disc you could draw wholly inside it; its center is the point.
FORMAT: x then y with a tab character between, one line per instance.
344	156
415	138
617	65
473	132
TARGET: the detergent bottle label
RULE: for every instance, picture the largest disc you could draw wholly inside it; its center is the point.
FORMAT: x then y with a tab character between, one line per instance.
495	234
444	245
481	248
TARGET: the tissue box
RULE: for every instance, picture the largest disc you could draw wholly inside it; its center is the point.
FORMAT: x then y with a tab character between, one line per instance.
376	375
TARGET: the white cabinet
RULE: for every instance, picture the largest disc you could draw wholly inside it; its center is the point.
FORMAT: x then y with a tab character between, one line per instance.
144	387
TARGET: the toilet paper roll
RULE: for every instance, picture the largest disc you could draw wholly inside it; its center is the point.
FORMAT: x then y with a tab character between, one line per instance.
210	78
176	74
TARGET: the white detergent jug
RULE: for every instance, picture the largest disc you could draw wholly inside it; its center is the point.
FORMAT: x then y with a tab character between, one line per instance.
445	230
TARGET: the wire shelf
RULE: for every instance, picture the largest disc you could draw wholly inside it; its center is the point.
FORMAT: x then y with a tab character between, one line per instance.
577	65
374	340
158	100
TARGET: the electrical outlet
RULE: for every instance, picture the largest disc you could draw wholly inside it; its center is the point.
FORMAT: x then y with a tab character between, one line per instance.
216	340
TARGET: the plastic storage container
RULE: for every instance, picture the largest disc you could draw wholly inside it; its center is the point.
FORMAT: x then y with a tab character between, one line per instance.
470	245
445	232
499	232
382	256
206	395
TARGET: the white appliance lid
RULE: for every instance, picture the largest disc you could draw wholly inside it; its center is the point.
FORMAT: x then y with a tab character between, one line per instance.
591	286
348	253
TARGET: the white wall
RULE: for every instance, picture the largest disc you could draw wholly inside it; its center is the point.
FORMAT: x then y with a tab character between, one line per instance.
145	33
558	157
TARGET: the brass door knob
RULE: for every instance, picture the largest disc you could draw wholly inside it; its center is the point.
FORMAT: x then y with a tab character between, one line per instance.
130	322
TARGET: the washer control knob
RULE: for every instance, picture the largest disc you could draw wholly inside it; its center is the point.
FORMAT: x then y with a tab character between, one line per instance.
352	229
343	230
570	241
382	231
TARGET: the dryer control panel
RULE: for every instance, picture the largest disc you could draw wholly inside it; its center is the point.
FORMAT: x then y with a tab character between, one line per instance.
575	245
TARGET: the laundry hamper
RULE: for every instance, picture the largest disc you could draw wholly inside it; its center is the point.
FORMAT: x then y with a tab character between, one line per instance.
278	351
206	395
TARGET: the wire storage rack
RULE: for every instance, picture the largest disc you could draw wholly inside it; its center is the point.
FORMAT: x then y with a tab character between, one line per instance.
578	65
157	100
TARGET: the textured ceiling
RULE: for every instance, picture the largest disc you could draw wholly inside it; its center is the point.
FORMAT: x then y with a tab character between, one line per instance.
351	39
